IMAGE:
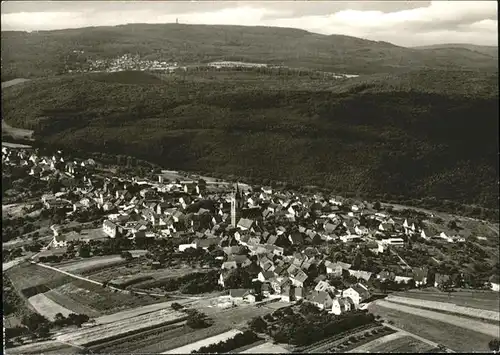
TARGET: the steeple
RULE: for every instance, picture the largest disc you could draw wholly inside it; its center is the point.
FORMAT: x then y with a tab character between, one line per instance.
235	205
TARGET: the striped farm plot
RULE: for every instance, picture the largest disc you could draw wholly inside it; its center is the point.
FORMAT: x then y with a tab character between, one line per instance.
131	313
69	303
466	323
266	348
46	307
95	334
92	264
446	307
205	342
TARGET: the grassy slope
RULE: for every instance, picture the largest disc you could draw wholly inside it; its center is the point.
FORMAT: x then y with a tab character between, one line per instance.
418	134
45	52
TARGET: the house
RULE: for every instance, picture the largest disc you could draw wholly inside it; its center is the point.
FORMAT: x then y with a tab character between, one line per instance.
402	279
229	265
441	280
420	276
386	227
279	284
397	242
342	305
245	224
322	299
299	278
323	286
495	283
266	290
59	241
239	294
296	238
336	268
109	228
265	276
298	293
357	293
184	247
386	275
360	274
287	294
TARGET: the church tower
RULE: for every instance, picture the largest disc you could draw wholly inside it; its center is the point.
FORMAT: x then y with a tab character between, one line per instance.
236	199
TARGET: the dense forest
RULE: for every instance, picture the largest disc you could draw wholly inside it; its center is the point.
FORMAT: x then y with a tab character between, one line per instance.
46	53
420	134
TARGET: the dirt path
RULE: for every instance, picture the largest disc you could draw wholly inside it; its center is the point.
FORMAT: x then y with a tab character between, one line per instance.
466	323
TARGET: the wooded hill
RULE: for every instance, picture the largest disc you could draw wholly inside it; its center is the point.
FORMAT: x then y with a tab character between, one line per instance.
431	134
46	53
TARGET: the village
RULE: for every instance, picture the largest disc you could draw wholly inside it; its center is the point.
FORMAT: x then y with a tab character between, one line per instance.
238	244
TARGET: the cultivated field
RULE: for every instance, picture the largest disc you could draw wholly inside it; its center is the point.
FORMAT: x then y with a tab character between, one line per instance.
33	279
266	348
238	316
451	335
88	336
45	347
46	307
205	342
71	304
136	312
446	307
102	300
16	133
486	300
90	264
467	323
395	343
138	270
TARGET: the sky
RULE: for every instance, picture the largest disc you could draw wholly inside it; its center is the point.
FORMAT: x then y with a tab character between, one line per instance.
405	23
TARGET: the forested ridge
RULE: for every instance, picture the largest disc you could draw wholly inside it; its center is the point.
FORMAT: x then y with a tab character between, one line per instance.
47	53
420	134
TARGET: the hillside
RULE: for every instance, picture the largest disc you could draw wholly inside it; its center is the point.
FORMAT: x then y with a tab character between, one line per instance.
421	134
491	51
45	53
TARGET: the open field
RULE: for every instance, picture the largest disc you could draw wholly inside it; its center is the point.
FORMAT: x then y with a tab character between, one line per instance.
367	347
15	209
266	348
103	300
135	342
205	342
467	323
395	343
47	307
135	312
90	264
238	316
15	145
13	82
16	133
11	321
158	340
453	336
95	334
32	279
70	304
446	307
45	347
486	300
138	270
